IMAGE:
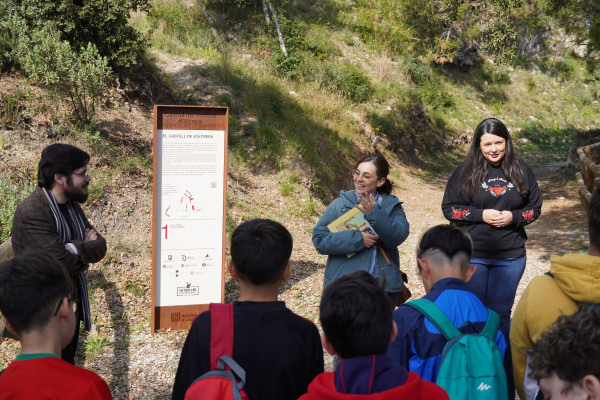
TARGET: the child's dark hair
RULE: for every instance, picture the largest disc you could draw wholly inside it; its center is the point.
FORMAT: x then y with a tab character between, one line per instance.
356	315
449	239
570	348
59	158
260	250
31	285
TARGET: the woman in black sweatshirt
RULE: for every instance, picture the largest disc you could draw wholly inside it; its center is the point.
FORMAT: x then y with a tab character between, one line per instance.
492	195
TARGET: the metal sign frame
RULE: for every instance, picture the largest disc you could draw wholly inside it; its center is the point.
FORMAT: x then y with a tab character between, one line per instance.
190	154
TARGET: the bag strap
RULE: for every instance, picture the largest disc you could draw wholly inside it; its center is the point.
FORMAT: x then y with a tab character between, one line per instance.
490	330
221	332
235	368
436	316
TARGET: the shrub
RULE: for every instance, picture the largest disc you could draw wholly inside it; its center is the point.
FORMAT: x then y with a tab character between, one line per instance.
101	22
290	66
10	196
10	26
349	80
78	76
435	95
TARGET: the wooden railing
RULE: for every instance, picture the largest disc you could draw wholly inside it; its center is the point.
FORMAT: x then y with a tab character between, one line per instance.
589	172
6	253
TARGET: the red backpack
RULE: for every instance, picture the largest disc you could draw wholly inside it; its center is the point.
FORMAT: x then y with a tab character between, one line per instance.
226	378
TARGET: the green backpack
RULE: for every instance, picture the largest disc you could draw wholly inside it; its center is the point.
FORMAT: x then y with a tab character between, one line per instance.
471	365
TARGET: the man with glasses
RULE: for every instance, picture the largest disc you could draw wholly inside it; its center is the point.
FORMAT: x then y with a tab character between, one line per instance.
51	220
443	255
38	307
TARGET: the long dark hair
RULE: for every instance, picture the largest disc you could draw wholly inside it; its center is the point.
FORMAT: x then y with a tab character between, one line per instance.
381	167
475	167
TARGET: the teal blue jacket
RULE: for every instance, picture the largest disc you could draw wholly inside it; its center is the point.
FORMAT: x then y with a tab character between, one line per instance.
387	219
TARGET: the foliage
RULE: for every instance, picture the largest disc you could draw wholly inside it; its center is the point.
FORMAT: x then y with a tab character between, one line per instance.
11	195
290	66
79	76
104	23
10	110
580	18
96	344
349	80
10	25
180	29
429	88
437	29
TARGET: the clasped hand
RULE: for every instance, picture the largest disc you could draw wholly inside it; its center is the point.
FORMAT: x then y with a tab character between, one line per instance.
497	218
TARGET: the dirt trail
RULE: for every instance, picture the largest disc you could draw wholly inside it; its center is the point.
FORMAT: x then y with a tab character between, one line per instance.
137	365
561	228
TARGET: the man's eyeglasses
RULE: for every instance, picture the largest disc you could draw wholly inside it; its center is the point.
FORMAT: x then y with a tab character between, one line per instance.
82	174
366	176
72	302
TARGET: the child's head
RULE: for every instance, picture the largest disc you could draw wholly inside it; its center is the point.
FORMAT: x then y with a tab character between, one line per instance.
260	251
444	251
356	316
32	287
566	358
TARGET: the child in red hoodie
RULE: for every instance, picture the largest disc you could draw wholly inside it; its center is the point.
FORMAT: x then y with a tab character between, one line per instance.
357	323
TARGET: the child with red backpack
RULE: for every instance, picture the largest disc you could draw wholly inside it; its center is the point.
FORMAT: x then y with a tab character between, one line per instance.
279	351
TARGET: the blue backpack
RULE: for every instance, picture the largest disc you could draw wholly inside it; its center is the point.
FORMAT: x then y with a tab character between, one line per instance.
471	365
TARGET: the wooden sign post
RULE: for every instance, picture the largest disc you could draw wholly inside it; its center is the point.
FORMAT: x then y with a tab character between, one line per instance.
188	225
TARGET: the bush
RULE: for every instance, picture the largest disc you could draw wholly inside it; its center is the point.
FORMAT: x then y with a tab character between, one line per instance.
78	76
290	66
10	26
350	80
10	196
101	22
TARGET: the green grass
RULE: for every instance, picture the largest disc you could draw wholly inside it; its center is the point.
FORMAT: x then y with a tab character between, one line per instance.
335	92
96	344
11	195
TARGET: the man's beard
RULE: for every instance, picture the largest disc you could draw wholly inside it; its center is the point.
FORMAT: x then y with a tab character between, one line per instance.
75	194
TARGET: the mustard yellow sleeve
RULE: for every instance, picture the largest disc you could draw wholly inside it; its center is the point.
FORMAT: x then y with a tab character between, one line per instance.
539	307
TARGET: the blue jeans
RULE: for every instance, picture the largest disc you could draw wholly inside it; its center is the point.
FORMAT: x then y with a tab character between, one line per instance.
495	282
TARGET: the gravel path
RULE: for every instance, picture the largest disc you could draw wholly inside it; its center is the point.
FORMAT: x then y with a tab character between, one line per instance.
138	365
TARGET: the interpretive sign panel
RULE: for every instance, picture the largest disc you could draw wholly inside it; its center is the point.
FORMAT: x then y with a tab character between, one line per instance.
188	232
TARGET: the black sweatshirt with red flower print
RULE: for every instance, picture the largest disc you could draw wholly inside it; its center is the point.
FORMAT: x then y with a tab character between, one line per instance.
498	193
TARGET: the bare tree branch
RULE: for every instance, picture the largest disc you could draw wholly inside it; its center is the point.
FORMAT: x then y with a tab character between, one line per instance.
281	43
266	12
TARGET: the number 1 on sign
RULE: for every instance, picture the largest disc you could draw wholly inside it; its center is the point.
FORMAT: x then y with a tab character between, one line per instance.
165	228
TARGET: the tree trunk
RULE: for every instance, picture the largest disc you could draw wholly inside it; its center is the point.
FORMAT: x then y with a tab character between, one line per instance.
281	43
266	12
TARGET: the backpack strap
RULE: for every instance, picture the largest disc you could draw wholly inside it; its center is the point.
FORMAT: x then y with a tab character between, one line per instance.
490	330
221	332
436	316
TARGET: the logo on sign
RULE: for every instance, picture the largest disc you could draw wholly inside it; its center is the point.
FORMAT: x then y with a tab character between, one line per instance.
188	290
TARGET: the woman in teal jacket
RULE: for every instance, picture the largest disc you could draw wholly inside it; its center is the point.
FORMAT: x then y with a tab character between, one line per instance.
385	216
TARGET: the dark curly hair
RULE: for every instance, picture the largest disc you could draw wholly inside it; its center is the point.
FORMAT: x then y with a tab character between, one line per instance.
571	348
